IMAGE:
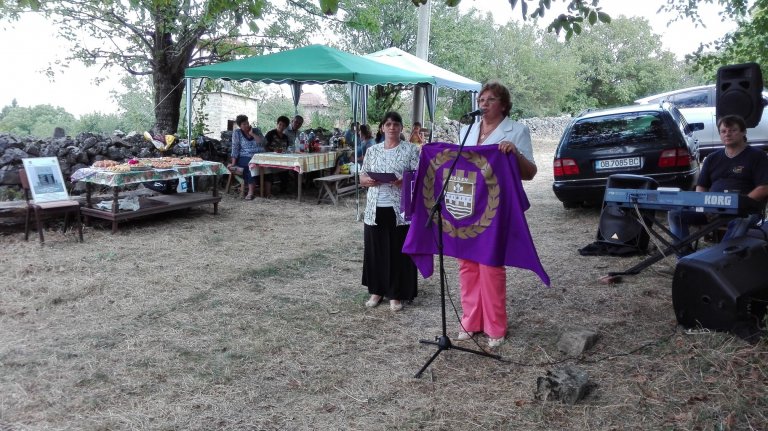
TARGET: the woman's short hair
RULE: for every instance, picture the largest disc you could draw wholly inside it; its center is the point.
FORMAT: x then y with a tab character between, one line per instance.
392	116
365	131
240	119
416	124
499	90
283	119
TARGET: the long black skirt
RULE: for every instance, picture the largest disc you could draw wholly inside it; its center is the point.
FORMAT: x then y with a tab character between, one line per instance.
386	270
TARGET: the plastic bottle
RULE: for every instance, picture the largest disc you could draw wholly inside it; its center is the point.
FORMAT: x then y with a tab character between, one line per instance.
303	142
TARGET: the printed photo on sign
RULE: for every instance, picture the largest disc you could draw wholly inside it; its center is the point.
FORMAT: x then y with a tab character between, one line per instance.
45	179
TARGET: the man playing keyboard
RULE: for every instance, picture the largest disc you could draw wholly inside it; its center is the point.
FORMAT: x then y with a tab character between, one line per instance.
736	168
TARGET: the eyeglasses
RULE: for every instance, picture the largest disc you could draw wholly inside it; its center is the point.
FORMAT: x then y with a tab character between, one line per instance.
488	99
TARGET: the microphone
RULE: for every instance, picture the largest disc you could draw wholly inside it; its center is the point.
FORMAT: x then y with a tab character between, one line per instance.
474	113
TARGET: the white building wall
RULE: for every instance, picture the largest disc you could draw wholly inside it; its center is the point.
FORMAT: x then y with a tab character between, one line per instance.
224	106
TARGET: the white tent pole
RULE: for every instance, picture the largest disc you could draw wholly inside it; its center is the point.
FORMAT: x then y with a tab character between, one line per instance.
188	89
422	52
356	94
431	97
364	103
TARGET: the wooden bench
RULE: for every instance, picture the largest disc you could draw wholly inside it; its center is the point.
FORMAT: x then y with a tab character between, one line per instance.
333	187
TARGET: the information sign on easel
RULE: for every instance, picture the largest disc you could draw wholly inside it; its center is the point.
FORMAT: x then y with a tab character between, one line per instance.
45	179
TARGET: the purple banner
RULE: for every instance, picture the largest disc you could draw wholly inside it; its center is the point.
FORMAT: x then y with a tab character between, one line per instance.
483	210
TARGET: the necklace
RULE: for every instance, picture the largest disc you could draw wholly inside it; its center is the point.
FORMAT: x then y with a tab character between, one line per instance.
484	134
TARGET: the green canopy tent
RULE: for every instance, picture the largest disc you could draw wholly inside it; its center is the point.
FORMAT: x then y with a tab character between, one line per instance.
313	64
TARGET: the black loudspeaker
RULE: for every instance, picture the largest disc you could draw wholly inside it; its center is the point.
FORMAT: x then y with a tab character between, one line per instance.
724	287
740	92
620	226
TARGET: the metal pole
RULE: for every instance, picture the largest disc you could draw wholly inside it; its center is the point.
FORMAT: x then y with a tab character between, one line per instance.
188	88
422	51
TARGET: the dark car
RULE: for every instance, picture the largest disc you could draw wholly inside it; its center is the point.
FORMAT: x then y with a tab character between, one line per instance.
650	140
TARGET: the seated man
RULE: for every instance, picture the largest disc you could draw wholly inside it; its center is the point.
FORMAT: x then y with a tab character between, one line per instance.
736	168
292	131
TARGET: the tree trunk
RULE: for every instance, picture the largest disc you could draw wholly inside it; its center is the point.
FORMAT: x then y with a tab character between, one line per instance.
168	93
170	61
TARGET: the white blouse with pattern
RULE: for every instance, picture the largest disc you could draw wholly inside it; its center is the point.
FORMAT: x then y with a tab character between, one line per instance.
404	157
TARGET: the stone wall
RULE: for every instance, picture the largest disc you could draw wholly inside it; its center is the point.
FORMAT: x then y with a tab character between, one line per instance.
72	153
547	128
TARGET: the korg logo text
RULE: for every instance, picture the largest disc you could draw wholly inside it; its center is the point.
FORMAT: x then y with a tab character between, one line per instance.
717	200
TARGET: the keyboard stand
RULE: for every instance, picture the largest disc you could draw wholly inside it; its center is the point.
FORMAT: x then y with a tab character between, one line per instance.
675	246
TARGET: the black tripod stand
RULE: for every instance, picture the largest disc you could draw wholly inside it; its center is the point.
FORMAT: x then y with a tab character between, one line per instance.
443	342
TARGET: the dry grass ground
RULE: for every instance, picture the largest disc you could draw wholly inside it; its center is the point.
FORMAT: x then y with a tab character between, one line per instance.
254	319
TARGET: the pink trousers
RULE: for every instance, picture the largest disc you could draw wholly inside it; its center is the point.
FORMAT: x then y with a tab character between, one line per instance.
483	298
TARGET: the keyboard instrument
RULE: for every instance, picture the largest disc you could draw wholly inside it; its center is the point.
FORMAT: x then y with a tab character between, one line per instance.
666	200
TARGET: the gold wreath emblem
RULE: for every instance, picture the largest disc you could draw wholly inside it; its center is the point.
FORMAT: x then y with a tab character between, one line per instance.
491	182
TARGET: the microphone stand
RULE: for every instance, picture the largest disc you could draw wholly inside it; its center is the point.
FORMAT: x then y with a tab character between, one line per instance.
443	342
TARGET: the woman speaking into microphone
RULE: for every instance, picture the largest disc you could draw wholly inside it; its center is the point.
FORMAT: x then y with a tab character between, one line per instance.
483	287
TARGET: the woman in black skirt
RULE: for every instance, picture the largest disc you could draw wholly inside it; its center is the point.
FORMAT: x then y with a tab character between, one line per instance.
387	272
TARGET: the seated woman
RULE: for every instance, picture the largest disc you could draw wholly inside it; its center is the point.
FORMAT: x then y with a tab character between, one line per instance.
277	139
380	134
246	141
366	141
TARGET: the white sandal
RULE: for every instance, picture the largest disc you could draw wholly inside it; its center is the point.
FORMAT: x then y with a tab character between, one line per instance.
371	303
495	342
465	335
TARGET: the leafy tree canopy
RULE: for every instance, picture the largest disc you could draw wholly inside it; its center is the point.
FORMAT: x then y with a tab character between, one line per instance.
38	120
161	38
621	61
748	43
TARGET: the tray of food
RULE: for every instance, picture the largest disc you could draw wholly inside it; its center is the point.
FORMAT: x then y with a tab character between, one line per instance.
119	168
104	164
162	165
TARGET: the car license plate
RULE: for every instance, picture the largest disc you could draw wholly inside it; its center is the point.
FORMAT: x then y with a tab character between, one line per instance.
628	162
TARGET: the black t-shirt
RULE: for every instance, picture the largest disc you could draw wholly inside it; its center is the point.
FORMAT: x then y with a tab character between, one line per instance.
740	174
275	141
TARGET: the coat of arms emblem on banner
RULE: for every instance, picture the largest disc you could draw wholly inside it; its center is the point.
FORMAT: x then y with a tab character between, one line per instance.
460	194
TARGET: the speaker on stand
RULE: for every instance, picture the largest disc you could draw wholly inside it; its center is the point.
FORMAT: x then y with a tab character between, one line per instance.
724	288
740	92
620	226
